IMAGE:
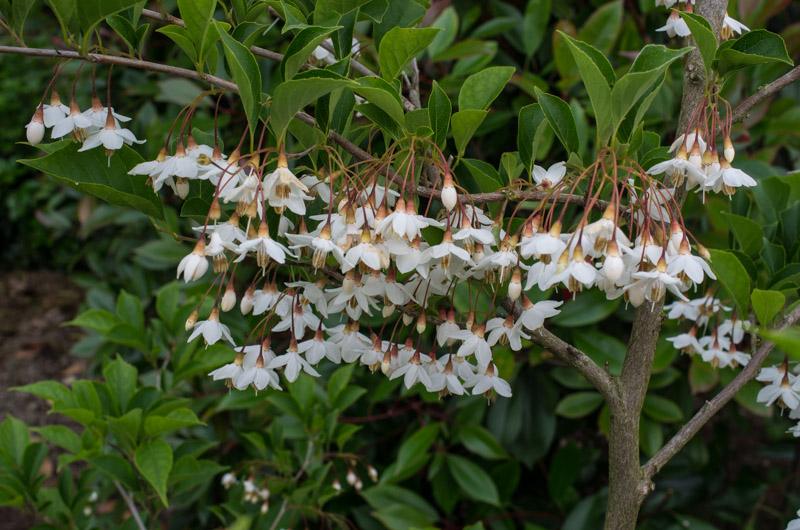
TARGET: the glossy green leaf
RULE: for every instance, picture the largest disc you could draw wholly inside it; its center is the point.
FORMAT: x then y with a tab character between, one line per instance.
755	47
597	76
124	29
415	445
534	24
481	442
246	75
531	126
385	495
384	95
733	276
439	110
703	37
96	319
61	435
473	480
603	27
291	96
20	10
121	378
559	116
52	390
181	37
91	12
399	46
156	425
579	404
197	15
767	304
485	174
301	47
154	462
94	173
748	233
480	89
293	16
447	21
464	124
662	409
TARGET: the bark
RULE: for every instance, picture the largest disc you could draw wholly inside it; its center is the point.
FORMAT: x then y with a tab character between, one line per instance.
626	493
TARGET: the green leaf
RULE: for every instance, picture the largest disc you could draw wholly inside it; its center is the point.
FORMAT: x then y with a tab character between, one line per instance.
129	309
531	127
661	409
116	468
755	47
767	304
597	76
485	174
748	233
464	124
291	96
415	446
246	75
61	435
124	29
399	45
167	302
703	37
91	12
702	376
733	276
473	480
197	15
181	37
93	173
386	495
481	442
563	471
448	23
534	24
480	89
301	47
126	428
383	95
121	378
338	381
579	404
176	419
52	390
293	16
66	13
643	75
14	438
96	319
20	10
602	28
439	110
559	116
786	339
651	436
154	462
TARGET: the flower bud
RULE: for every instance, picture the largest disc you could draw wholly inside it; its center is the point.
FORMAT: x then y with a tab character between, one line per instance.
637	293
246	305
215	212
182	187
228	299
191	321
372	473
264	508
388	309
35	129
449	195
337	485
421	323
407	319
515	285
727	149
351	477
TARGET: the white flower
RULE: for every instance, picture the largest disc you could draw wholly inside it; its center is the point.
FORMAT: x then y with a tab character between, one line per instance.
259	376
300	320
194	265
550	176
679	169
265	247
781	392
774	374
445	250
694	135
34	131
228	480
687	342
365	252
211	329
657	281
675	26
74	122
229	372
293	362
533	315
284	190
575	272
111	138
474	342
731	26
449	194
55	111
487	381
688	268
506	331
404	222
727	179
318	348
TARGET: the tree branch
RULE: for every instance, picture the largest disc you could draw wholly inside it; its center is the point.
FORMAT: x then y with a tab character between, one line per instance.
131	505
764	92
571	355
710	408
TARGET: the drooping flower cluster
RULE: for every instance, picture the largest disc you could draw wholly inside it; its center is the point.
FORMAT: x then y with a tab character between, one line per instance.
714	339
676	26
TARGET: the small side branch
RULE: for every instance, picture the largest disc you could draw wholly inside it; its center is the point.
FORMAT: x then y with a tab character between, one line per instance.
708	410
764	92
131	505
571	355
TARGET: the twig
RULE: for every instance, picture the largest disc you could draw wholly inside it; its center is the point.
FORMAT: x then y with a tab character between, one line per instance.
131	506
710	408
764	92
571	355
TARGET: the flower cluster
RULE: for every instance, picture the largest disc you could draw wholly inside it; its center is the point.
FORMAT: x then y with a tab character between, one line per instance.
676	26
782	386
715	343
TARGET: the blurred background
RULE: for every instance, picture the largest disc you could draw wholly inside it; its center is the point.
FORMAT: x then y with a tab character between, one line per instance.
64	253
